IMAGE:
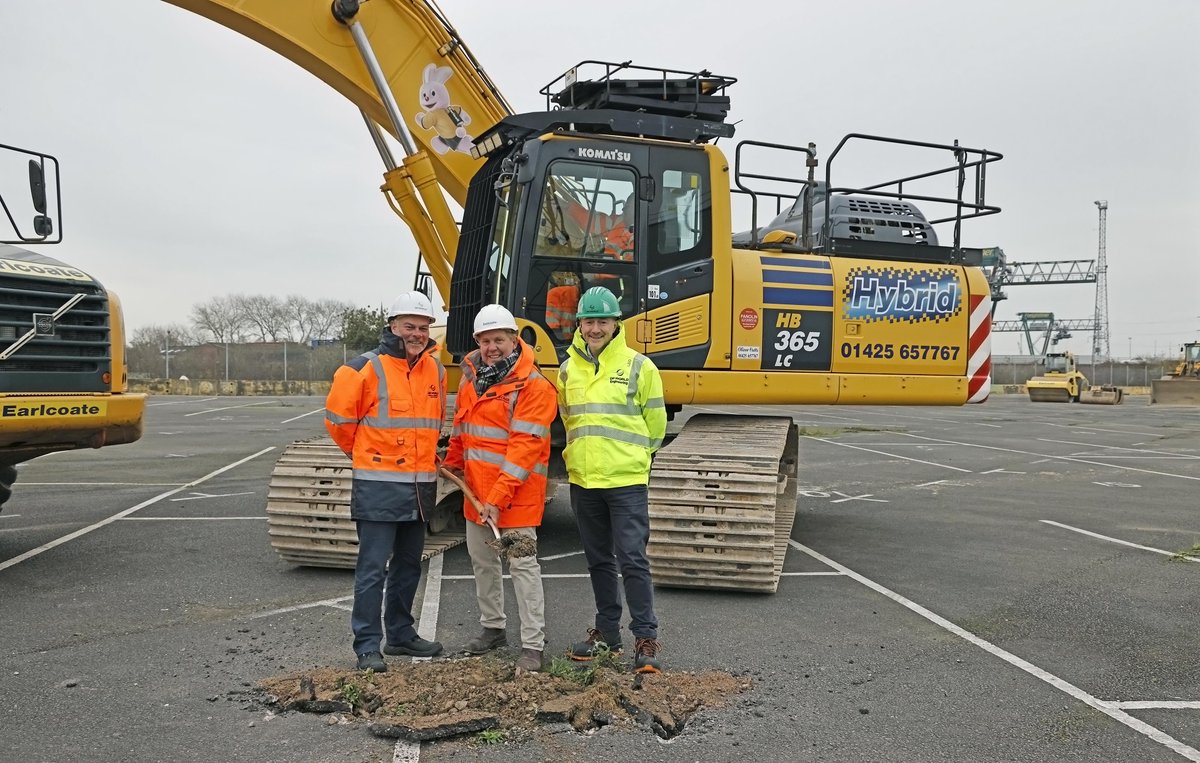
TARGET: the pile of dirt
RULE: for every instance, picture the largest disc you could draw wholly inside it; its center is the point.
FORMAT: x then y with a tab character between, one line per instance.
431	700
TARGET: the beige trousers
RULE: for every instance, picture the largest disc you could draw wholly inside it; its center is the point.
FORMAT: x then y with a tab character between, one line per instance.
489	585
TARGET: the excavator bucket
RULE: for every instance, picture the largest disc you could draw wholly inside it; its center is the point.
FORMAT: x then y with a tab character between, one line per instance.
1175	391
1103	395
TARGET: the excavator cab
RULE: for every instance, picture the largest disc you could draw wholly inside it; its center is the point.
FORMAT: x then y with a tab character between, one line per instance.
553	213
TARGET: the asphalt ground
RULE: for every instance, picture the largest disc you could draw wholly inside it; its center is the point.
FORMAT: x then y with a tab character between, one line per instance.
987	583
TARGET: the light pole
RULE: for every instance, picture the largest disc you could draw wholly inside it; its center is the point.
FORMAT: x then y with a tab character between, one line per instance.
226	360
167	356
1131	348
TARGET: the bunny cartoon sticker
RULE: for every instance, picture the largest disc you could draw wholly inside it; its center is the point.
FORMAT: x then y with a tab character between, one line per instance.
448	122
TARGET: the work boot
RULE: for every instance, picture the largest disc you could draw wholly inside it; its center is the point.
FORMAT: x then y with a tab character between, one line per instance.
414	647
645	656
371	661
587	649
530	661
491	638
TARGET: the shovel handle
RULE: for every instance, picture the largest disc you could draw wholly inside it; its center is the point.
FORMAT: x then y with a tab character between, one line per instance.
470	496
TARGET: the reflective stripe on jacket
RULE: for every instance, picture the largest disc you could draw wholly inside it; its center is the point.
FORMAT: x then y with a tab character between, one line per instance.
614	413
561	304
501	440
387	417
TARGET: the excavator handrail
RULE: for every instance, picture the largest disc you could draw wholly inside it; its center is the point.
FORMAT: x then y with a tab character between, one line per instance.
960	167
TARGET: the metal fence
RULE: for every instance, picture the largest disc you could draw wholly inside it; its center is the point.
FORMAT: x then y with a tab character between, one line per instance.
1127	373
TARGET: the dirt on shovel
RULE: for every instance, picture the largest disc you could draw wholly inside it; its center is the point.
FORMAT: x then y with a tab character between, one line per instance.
509	544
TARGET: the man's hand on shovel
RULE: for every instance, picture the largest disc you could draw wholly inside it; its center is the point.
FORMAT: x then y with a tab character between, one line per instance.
487	512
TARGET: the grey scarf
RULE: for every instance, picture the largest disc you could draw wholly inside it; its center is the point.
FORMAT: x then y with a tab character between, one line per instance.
494	374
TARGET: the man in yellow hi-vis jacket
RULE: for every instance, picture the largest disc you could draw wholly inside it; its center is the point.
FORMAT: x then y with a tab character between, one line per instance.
611	401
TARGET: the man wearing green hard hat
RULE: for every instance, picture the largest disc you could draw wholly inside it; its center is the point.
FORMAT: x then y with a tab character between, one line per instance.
611	401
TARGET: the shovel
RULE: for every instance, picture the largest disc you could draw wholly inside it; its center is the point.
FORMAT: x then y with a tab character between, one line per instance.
509	545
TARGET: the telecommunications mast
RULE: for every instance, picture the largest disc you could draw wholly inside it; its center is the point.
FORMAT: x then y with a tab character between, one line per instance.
1100	335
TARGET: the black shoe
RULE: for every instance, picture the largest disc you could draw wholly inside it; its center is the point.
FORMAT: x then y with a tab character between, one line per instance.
645	656
415	647
371	661
491	638
594	643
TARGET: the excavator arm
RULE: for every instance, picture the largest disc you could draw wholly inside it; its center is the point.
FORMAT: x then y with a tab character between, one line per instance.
437	96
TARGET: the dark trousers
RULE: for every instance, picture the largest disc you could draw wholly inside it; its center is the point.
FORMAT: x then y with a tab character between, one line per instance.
402	542
614	524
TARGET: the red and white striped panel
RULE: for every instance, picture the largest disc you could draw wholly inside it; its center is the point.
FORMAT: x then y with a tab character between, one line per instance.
979	349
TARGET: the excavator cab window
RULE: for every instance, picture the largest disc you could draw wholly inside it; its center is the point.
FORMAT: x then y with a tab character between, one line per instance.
586	226
1193	353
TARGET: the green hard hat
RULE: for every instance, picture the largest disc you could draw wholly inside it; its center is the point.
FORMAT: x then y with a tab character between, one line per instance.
598	302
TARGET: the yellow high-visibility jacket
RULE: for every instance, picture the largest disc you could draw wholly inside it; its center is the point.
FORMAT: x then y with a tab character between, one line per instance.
614	413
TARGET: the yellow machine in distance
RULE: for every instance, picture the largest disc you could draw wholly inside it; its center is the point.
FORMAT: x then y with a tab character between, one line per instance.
63	380
1063	382
1181	387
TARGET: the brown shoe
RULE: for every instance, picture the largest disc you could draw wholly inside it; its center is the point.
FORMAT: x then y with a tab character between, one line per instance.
491	638
646	656
530	661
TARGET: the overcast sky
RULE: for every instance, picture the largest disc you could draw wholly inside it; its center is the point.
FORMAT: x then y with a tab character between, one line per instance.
198	164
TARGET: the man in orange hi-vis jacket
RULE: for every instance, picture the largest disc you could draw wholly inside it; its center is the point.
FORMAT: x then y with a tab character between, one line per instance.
501	444
385	410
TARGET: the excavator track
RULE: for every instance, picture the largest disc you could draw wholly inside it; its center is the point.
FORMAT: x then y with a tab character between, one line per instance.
722	503
308	509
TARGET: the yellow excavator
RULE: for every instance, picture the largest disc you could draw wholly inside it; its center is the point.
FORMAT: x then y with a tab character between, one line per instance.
1182	387
1061	381
845	295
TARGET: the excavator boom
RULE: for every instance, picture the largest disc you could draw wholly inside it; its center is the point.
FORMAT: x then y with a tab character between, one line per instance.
417	35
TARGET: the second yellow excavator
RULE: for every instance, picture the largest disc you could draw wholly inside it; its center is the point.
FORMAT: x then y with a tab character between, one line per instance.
848	295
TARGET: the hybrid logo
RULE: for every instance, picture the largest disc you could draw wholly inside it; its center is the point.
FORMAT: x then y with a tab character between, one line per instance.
909	295
605	154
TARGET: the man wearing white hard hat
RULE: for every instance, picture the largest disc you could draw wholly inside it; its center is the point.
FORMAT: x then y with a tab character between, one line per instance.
501	445
385	410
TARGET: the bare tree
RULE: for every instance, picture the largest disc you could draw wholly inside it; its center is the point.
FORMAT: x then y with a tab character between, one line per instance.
328	315
161	337
221	317
265	315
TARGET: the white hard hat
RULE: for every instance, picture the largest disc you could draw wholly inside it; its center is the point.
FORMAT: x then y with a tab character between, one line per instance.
494	317
411	303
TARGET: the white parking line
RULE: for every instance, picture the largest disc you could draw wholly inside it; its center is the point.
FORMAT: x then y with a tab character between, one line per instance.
1117	540
187	519
890	455
1112	431
195	496
1164	453
228	408
1047	455
100	484
560	556
181	402
1156	705
121	515
1066	687
296	608
294	418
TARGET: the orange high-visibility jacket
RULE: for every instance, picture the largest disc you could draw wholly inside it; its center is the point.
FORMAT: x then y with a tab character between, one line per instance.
501	440
561	304
387	417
